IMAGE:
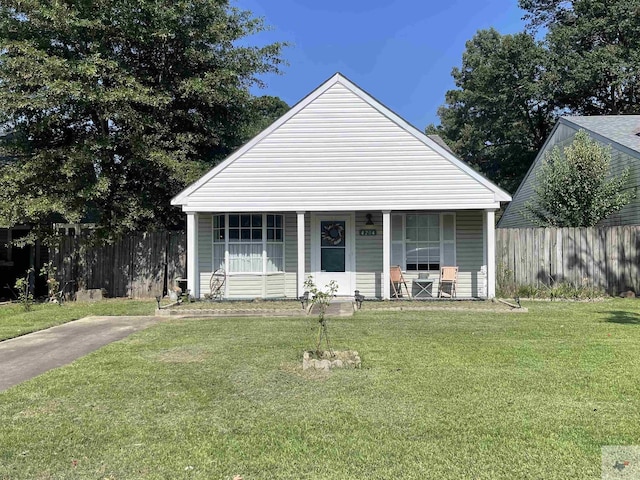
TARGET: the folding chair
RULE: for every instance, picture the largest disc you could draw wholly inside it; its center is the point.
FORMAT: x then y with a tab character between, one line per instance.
397	280
448	276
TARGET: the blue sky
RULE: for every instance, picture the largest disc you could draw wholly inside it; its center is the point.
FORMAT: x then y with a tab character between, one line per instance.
401	51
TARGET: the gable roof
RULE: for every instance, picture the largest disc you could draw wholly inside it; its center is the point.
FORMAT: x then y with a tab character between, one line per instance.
619	131
338	125
623	130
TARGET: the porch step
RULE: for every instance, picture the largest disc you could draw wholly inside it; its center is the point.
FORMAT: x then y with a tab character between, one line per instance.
336	309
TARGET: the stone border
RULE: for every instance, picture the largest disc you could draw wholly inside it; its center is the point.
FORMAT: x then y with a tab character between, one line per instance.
201	312
350	359
338	309
425	308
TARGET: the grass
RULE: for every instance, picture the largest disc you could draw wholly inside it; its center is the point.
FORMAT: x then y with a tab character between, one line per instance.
442	395
15	321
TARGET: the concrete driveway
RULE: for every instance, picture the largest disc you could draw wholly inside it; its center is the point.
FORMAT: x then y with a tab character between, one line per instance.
25	357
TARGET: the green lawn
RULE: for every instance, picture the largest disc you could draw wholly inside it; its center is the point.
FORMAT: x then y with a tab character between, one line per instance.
15	321
442	395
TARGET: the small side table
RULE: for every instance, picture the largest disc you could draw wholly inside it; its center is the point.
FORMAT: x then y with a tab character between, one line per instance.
424	287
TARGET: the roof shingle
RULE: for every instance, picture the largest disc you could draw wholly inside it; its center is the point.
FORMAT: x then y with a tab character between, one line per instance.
622	129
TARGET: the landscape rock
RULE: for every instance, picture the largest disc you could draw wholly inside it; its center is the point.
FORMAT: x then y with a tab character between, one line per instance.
327	361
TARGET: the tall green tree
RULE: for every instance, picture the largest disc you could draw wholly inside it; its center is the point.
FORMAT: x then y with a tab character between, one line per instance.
594	52
573	188
511	88
499	115
265	110
116	105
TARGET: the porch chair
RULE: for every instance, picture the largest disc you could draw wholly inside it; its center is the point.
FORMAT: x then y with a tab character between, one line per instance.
397	280
448	276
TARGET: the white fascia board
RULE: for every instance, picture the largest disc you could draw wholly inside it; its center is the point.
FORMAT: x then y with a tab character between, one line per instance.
328	209
500	195
180	198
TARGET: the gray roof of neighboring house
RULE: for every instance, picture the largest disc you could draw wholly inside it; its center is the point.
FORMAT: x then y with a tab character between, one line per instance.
621	129
440	141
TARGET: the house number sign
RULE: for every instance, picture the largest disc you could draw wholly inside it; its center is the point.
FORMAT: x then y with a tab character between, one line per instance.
368	233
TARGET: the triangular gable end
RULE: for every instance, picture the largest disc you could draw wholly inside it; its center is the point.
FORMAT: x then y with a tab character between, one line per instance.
360	141
561	136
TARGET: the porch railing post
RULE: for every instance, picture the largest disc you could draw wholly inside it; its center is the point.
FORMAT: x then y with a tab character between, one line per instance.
301	254
386	255
490	222
193	282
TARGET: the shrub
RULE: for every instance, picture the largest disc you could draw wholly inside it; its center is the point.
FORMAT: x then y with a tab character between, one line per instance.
24	286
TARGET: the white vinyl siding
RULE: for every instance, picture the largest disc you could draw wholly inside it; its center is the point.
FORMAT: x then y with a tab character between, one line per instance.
339	153
245	286
275	285
369	256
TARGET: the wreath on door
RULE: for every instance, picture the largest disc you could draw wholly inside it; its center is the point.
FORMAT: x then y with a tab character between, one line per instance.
333	234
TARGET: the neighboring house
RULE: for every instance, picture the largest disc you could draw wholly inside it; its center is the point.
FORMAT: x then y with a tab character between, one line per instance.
339	188
621	132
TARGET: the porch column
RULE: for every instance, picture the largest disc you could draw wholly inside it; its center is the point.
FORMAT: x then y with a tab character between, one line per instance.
301	256
386	255
490	222
193	283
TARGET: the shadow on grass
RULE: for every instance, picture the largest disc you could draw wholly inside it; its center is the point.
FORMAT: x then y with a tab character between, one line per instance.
622	316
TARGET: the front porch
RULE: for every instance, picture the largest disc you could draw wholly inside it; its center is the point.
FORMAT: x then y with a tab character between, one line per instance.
270	255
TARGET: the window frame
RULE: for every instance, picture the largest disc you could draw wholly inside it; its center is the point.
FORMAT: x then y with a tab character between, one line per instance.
263	242
402	243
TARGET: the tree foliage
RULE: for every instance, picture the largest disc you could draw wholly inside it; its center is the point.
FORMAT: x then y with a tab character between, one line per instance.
512	88
265	110
594	51
115	105
573	189
499	115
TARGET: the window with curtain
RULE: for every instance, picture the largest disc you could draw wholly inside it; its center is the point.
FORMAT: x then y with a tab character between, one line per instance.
423	242
255	242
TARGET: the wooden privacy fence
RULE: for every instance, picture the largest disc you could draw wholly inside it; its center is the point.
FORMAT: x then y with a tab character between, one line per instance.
139	266
604	257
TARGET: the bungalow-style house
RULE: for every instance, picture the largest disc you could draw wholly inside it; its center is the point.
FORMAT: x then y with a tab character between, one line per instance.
339	188
620	132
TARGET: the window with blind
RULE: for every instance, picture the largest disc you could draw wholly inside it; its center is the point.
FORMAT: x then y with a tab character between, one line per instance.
423	242
255	242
